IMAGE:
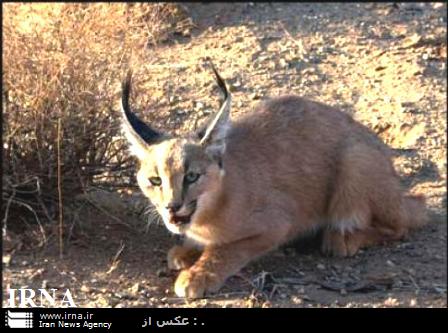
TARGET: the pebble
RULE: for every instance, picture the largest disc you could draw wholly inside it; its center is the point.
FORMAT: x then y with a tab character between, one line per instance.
135	288
296	300
283	63
85	289
321	267
6	259
390	263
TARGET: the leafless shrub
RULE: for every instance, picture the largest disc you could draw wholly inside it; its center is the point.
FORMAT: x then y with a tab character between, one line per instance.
64	62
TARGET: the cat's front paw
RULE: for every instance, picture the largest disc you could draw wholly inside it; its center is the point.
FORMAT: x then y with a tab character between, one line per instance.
181	257
195	283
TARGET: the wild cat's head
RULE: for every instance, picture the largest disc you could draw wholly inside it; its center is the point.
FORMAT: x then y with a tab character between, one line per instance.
179	175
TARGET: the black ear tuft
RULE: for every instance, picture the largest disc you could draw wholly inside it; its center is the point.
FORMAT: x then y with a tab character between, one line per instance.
215	131
219	80
134	125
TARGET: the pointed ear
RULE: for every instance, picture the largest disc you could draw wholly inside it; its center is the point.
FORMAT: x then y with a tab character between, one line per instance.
139	134
212	136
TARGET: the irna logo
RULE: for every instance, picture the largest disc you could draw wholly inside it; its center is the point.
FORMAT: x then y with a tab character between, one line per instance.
40	299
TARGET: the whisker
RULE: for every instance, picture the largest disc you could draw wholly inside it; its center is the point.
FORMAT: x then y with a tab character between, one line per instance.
153	216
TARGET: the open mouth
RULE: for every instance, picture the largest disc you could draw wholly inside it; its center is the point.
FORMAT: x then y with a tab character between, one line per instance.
185	219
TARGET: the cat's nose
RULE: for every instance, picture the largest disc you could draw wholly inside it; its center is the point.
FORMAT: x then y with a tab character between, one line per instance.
173	207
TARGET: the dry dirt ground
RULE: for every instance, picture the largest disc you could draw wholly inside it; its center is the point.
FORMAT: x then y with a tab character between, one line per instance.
384	64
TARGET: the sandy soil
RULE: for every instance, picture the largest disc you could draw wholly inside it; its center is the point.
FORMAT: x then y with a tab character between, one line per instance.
384	64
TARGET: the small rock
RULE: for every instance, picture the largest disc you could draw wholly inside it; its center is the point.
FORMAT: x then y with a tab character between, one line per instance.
411	41
296	300
134	289
266	304
186	33
321	267
237	84
391	301
85	289
283	63
308	71
172	99
6	259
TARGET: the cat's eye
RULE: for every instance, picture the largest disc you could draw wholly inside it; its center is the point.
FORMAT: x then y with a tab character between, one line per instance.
191	177
155	181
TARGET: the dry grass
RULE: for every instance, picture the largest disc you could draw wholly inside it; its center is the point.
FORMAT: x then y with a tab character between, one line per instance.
64	62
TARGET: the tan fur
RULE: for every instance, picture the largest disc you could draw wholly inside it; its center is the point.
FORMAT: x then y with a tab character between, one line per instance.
291	166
